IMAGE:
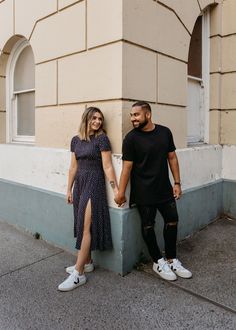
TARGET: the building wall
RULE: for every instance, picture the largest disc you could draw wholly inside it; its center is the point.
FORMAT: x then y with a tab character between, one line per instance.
110	53
84	57
223	77
78	63
32	197
229	178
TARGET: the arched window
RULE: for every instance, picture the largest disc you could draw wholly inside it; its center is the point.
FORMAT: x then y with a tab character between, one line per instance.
21	98
198	81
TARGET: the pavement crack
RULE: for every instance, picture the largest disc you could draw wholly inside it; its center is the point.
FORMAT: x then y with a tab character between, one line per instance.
33	263
200	296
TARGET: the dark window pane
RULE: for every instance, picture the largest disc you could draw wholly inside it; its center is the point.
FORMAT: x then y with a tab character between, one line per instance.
195	51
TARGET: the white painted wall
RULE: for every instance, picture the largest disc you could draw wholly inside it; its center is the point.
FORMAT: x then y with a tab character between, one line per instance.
200	165
229	162
38	167
47	168
43	168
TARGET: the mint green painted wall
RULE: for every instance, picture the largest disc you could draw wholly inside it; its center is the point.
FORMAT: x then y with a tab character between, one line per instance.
229	198
46	212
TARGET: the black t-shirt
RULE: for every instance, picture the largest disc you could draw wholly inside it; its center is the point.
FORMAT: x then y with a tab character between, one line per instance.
150	183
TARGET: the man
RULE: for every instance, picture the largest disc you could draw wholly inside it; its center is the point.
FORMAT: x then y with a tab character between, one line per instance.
147	151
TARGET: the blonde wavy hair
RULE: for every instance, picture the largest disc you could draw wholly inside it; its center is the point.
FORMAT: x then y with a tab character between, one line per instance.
84	128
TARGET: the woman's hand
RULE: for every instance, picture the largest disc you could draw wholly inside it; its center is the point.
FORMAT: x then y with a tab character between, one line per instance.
120	199
69	197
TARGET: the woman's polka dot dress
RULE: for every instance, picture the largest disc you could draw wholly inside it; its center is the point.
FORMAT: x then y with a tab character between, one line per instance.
90	185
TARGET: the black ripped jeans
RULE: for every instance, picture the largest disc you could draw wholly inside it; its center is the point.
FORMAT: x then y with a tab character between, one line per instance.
169	213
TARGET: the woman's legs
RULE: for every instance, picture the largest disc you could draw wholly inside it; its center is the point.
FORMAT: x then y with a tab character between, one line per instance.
84	254
77	277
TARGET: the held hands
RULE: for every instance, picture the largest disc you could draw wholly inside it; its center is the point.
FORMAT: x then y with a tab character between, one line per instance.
69	197
120	199
177	191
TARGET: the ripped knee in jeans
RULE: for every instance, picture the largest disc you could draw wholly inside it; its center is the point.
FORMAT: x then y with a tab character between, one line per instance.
171	224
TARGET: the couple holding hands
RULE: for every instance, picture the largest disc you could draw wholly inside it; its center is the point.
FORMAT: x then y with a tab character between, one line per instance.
147	151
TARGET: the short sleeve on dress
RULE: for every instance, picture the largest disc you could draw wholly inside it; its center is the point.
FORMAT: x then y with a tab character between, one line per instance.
73	143
104	143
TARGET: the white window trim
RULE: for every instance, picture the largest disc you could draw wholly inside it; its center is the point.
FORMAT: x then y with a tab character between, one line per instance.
11	104
206	71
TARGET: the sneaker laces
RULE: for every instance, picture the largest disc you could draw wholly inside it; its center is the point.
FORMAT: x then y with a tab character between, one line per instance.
178	264
165	266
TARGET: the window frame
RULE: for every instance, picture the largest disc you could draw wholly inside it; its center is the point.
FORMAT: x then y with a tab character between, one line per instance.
204	81
206	71
11	98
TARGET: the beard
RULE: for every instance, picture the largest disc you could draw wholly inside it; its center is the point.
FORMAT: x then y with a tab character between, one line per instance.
141	125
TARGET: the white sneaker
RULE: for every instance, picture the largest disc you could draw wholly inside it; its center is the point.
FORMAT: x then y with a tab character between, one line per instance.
177	267
162	268
72	281
88	268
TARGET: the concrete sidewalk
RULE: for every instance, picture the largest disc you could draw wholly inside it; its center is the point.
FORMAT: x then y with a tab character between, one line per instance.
30	271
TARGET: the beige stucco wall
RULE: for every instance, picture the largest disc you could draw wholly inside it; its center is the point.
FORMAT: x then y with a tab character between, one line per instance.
215	126
110	53
78	60
223	74
28	13
7	21
228	127
154	26
46	84
60	34
49	118
139	73
3	62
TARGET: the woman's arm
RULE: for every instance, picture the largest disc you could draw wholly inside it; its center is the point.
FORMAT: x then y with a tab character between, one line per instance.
109	170
71	177
124	179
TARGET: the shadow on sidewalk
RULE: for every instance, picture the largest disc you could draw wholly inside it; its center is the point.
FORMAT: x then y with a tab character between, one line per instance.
210	254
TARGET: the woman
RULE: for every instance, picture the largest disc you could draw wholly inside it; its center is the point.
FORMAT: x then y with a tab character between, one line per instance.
90	159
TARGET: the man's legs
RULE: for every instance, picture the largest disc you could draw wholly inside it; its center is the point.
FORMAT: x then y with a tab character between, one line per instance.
148	214
169	213
160	266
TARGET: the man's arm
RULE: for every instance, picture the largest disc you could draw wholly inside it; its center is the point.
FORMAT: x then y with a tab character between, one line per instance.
174	167
124	179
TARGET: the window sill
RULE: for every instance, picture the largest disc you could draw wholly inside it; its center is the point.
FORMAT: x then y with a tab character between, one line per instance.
25	144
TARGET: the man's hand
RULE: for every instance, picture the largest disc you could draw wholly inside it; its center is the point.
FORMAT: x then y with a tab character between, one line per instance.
120	199
177	191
